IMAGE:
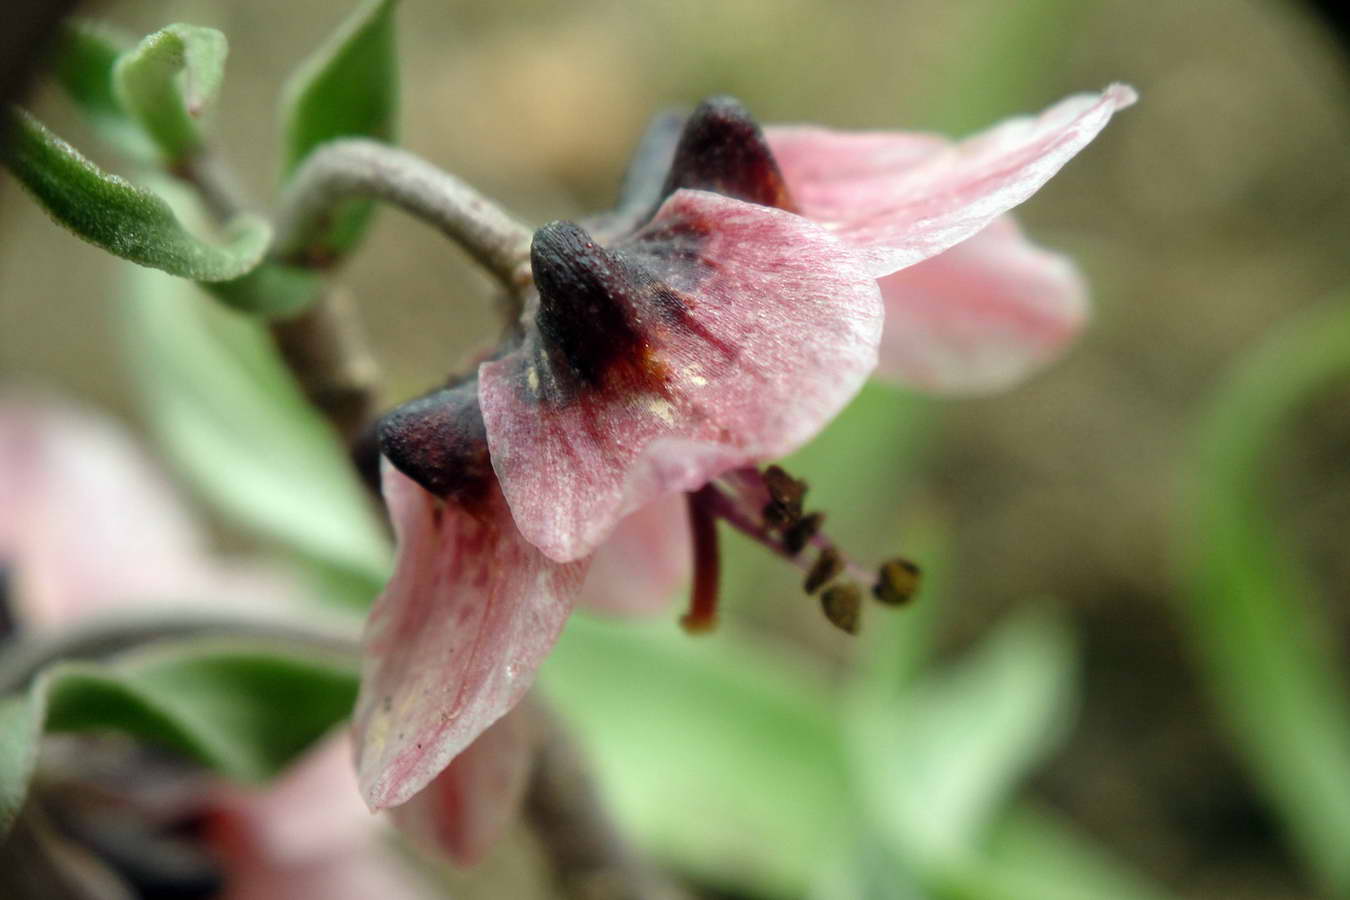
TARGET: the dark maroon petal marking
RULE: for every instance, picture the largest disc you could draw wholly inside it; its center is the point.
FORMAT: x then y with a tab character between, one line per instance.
602	313
724	151
439	440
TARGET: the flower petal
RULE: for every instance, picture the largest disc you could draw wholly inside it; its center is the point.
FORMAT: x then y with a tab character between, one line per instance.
463	811
981	315
85	520
308	835
647	557
454	641
907	197
721	334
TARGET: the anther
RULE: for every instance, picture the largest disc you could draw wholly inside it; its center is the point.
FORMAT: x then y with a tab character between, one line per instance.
897	582
785	498
828	567
842	604
797	535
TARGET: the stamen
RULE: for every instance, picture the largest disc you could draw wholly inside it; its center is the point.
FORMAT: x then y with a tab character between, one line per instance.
702	615
842	604
799	534
897	582
829	566
767	507
785	498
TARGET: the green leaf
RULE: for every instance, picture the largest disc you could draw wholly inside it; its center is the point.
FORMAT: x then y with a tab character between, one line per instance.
245	709
347	88
273	289
229	414
720	755
169	81
938	762
125	220
1262	639
1033	853
83	61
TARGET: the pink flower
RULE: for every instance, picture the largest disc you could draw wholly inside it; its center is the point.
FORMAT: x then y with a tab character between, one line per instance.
90	529
718	318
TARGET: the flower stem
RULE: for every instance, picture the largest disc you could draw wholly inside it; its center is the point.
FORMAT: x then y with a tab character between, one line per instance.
22	660
364	168
590	860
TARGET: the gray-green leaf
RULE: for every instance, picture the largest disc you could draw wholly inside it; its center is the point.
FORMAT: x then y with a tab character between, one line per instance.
347	88
169	81
245	709
127	221
83	60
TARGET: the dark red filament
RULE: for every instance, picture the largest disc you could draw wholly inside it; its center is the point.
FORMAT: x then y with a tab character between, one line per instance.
702	615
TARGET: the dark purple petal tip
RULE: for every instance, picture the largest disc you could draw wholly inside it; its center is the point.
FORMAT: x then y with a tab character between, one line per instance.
439	441
594	307
723	150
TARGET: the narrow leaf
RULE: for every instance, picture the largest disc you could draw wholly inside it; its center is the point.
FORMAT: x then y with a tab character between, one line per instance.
127	221
720	754
347	88
1255	623
243	708
169	81
229	414
939	761
1035	853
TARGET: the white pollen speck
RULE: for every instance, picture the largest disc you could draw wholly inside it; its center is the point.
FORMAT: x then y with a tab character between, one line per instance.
662	410
532	379
697	380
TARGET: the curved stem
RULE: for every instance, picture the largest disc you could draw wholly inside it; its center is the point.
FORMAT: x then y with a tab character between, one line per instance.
21	660
364	168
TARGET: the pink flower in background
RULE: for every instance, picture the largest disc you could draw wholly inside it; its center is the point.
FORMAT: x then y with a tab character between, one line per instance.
717	319
90	529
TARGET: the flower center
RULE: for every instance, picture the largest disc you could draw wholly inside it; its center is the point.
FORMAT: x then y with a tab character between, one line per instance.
769	506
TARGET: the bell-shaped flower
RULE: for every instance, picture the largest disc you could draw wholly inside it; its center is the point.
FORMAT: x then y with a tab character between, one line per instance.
716	319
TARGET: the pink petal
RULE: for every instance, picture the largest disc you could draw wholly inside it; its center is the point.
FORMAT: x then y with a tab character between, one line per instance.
907	197
89	527
775	330
454	641
463	811
644	561
308	835
85	521
980	316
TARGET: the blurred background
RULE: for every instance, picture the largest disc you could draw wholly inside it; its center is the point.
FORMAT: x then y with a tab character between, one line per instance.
1125	675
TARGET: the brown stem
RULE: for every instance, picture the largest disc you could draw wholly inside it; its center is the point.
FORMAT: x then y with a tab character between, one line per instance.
589	859
326	350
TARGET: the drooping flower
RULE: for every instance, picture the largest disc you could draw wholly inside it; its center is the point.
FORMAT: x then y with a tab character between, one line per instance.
720	316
